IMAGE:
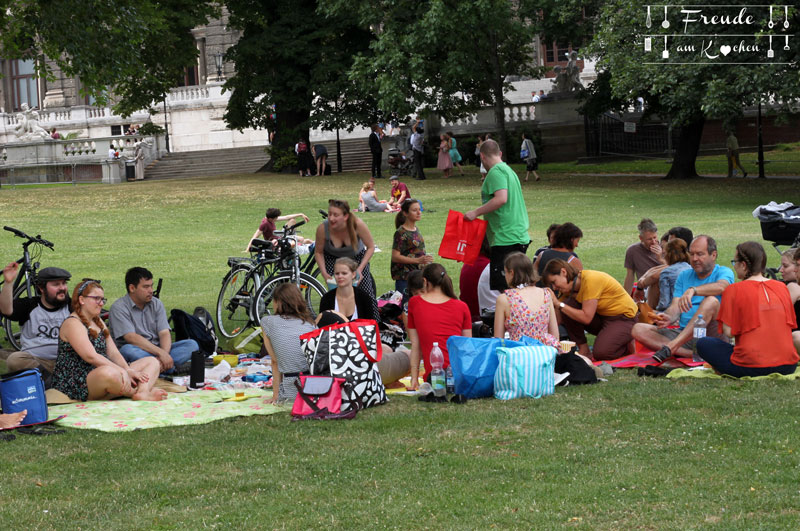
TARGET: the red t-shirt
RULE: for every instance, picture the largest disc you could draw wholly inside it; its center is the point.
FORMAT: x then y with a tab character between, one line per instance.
399	189
437	322
267	229
761	318
468	285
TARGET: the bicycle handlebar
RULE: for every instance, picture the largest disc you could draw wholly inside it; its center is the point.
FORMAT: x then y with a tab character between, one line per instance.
36	239
323	214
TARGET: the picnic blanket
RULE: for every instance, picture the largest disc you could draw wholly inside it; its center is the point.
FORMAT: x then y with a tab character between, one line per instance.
708	373
644	356
194	407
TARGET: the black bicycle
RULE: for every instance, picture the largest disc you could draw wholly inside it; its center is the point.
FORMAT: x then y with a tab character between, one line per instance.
246	293
25	284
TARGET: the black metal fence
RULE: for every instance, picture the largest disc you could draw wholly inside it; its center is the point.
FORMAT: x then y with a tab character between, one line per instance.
607	135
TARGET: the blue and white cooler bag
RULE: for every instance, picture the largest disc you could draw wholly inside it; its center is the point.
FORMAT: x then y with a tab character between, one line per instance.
24	390
525	372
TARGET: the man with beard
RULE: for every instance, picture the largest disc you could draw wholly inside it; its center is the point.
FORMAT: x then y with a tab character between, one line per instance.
39	319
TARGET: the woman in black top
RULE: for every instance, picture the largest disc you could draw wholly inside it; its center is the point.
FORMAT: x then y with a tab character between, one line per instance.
347	299
565	241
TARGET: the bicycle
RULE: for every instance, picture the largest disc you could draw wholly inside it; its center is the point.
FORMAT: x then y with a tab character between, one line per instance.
25	283
246	293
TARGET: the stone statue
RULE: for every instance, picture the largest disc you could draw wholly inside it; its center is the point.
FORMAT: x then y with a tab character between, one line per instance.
28	127
568	79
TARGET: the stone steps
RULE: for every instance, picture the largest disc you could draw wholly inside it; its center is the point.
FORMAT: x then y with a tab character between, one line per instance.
355	157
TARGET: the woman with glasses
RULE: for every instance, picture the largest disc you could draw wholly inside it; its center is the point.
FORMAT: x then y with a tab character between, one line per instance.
343	235
757	312
89	366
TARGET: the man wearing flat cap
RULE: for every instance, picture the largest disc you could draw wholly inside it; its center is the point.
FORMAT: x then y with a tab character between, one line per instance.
39	318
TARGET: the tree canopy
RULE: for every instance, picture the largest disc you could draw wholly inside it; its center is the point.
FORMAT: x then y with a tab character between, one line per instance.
695	78
137	49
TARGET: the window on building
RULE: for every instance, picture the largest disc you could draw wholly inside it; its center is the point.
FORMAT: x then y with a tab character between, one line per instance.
191	77
24	84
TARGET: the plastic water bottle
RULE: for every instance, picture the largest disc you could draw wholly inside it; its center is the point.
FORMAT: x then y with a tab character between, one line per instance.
437	373
699	331
451	383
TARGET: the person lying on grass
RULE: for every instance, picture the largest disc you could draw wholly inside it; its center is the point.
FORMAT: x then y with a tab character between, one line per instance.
88	366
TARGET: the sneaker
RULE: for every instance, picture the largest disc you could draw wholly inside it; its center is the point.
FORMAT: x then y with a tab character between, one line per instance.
662	354
561	377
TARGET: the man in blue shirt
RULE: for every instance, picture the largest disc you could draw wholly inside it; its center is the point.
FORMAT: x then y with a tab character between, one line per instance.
697	291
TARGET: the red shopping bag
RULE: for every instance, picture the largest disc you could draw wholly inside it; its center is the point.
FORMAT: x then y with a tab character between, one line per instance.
462	239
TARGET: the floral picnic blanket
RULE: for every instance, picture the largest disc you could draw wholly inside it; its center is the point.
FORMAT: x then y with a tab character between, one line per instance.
178	409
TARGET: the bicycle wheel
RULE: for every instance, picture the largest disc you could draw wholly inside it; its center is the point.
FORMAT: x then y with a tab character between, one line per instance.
235	301
771	273
12	328
310	288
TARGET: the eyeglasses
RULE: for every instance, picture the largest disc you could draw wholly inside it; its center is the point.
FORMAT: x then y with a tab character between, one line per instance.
97	298
734	262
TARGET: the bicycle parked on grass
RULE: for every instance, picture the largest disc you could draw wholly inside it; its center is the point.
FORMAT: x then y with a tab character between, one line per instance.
25	284
246	294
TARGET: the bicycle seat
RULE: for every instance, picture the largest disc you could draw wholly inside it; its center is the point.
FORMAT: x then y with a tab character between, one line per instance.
260	245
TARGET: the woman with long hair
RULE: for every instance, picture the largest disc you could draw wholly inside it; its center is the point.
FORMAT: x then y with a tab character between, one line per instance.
281	333
89	366
525	310
433	316
343	235
676	254
758	313
408	246
444	163
596	303
346	299
455	156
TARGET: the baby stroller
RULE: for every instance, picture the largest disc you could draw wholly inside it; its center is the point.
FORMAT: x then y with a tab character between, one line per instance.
400	162
780	224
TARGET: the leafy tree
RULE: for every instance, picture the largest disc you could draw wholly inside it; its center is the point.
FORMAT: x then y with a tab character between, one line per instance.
443	56
688	94
136	48
292	57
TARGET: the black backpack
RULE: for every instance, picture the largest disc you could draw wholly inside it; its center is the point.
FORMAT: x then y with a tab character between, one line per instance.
199	327
579	371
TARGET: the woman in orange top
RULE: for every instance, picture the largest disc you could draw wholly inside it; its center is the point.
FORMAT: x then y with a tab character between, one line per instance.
758	313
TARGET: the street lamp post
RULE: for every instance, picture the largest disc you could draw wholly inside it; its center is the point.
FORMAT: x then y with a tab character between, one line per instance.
218	57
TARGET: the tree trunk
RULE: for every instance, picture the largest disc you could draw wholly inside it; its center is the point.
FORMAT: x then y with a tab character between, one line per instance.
683	164
290	125
497	93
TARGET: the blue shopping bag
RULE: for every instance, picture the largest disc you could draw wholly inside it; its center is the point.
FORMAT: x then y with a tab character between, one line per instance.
474	362
525	372
22	390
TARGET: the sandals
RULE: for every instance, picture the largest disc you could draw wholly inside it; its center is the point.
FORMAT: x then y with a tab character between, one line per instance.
662	354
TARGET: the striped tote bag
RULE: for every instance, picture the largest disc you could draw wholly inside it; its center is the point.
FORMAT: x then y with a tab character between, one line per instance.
525	372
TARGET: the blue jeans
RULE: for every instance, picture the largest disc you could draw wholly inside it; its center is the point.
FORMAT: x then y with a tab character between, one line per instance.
718	353
181	352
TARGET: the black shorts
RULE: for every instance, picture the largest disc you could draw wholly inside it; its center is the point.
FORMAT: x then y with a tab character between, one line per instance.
532	165
497	257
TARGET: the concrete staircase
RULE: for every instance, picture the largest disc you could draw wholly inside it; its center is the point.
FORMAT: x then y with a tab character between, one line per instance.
210	162
355	157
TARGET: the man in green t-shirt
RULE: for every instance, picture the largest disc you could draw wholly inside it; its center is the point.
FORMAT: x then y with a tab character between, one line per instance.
504	209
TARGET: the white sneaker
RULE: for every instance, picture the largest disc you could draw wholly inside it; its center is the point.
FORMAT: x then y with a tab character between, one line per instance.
562	377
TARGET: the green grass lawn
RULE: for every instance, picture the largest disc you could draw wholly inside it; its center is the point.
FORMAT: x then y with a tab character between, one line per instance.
630	453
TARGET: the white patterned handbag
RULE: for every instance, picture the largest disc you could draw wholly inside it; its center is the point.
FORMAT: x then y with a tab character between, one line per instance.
350	351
